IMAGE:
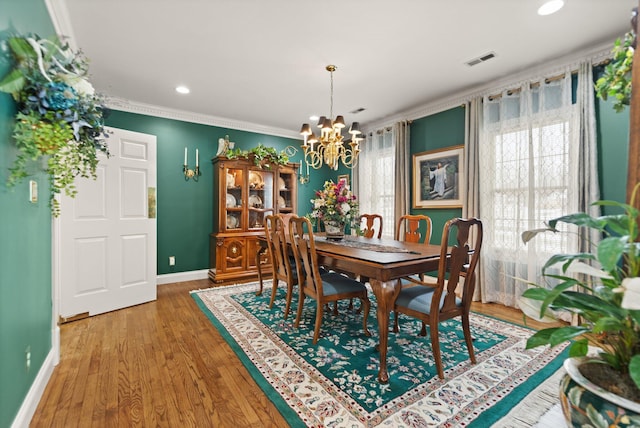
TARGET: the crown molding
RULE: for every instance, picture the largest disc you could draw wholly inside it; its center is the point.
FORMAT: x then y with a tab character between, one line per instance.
59	14
122	104
596	55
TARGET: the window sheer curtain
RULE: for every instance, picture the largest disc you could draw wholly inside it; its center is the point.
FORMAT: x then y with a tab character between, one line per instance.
374	177
528	173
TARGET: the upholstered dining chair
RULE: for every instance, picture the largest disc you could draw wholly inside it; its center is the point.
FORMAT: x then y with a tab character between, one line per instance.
329	287
371	225
414	228
433	303
276	231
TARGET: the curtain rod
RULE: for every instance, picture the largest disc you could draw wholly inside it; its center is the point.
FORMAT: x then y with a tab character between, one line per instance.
534	85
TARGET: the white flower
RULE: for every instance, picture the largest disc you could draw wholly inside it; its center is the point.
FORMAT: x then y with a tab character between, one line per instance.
317	203
631	298
82	86
345	207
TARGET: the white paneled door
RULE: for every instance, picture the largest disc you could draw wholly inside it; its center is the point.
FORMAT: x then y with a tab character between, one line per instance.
107	233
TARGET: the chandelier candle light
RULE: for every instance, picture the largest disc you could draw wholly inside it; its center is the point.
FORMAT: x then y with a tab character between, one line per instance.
329	148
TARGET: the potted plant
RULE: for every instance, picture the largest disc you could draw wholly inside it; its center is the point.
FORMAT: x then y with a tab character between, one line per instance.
603	289
60	118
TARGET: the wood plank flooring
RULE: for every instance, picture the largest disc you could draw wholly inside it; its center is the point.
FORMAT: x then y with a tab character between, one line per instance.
161	364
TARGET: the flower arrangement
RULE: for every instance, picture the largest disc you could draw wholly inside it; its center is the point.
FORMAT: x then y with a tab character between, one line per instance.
336	203
59	114
606	296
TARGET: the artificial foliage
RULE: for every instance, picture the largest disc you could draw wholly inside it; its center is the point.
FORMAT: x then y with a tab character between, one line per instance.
60	117
616	79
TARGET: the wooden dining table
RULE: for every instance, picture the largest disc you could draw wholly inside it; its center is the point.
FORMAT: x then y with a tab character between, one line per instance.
383	261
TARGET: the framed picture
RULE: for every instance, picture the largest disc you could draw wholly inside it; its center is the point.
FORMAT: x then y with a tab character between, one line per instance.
437	178
344	178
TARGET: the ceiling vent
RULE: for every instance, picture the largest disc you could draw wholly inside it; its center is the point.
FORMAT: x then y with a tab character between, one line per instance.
483	58
358	110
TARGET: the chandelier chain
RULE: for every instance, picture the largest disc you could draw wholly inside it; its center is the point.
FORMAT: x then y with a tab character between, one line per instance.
331	105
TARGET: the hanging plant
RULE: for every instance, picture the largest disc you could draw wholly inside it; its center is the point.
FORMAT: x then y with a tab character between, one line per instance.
60	117
616	80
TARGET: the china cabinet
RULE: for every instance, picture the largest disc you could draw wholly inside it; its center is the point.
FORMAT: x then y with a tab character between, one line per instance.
244	194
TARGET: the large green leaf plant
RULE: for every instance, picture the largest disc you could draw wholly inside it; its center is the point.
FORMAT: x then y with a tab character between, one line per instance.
602	287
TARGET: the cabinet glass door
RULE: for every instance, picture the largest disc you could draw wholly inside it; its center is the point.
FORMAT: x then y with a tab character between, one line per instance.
260	201
285	191
234	182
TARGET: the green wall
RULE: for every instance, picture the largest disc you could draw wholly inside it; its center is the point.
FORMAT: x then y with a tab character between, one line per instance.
25	238
185	208
433	132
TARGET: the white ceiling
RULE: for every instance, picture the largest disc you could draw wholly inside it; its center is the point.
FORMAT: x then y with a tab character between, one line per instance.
263	62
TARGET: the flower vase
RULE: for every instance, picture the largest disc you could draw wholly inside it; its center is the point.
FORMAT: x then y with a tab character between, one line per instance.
334	229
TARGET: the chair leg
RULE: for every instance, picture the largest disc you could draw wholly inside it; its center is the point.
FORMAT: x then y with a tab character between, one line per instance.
366	303
289	297
435	347
395	322
316	330
467	337
299	312
423	330
274	290
335	308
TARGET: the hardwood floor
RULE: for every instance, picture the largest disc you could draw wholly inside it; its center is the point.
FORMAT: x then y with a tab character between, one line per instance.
161	364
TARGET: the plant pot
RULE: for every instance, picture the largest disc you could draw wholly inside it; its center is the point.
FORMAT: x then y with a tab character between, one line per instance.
334	229
586	404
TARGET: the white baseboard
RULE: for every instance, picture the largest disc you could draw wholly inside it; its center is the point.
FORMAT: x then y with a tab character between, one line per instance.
30	403
182	276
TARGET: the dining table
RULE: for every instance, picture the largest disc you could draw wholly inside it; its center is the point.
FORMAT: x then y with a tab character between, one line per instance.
383	262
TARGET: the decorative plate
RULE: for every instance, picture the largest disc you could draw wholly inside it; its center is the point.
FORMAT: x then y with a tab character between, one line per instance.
281	202
232	221
231	200
255	179
231	181
255	201
281	184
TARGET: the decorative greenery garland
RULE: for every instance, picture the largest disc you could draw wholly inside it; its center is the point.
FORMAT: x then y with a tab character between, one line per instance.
59	117
262	155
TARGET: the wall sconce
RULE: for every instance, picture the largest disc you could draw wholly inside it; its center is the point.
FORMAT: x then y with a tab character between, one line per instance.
190	173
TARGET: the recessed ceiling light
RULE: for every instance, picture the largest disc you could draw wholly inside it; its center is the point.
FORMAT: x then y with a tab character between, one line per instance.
314	117
549	7
182	90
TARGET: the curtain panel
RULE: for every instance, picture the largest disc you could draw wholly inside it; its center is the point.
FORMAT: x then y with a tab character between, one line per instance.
528	173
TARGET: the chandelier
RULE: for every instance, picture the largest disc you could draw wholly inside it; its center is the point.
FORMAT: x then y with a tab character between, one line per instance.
329	147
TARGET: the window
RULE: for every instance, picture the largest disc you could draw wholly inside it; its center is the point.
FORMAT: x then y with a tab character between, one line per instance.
528	175
376	181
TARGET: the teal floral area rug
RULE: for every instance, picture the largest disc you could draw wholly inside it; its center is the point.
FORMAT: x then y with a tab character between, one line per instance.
334	383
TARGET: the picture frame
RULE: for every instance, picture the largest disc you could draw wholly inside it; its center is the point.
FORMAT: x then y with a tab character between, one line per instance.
345	178
437	178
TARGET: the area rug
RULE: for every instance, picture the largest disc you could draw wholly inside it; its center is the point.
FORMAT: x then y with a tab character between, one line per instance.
334	383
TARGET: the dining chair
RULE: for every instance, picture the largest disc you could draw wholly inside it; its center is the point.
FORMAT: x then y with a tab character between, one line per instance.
414	228
282	265
330	287
370	225
433	303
